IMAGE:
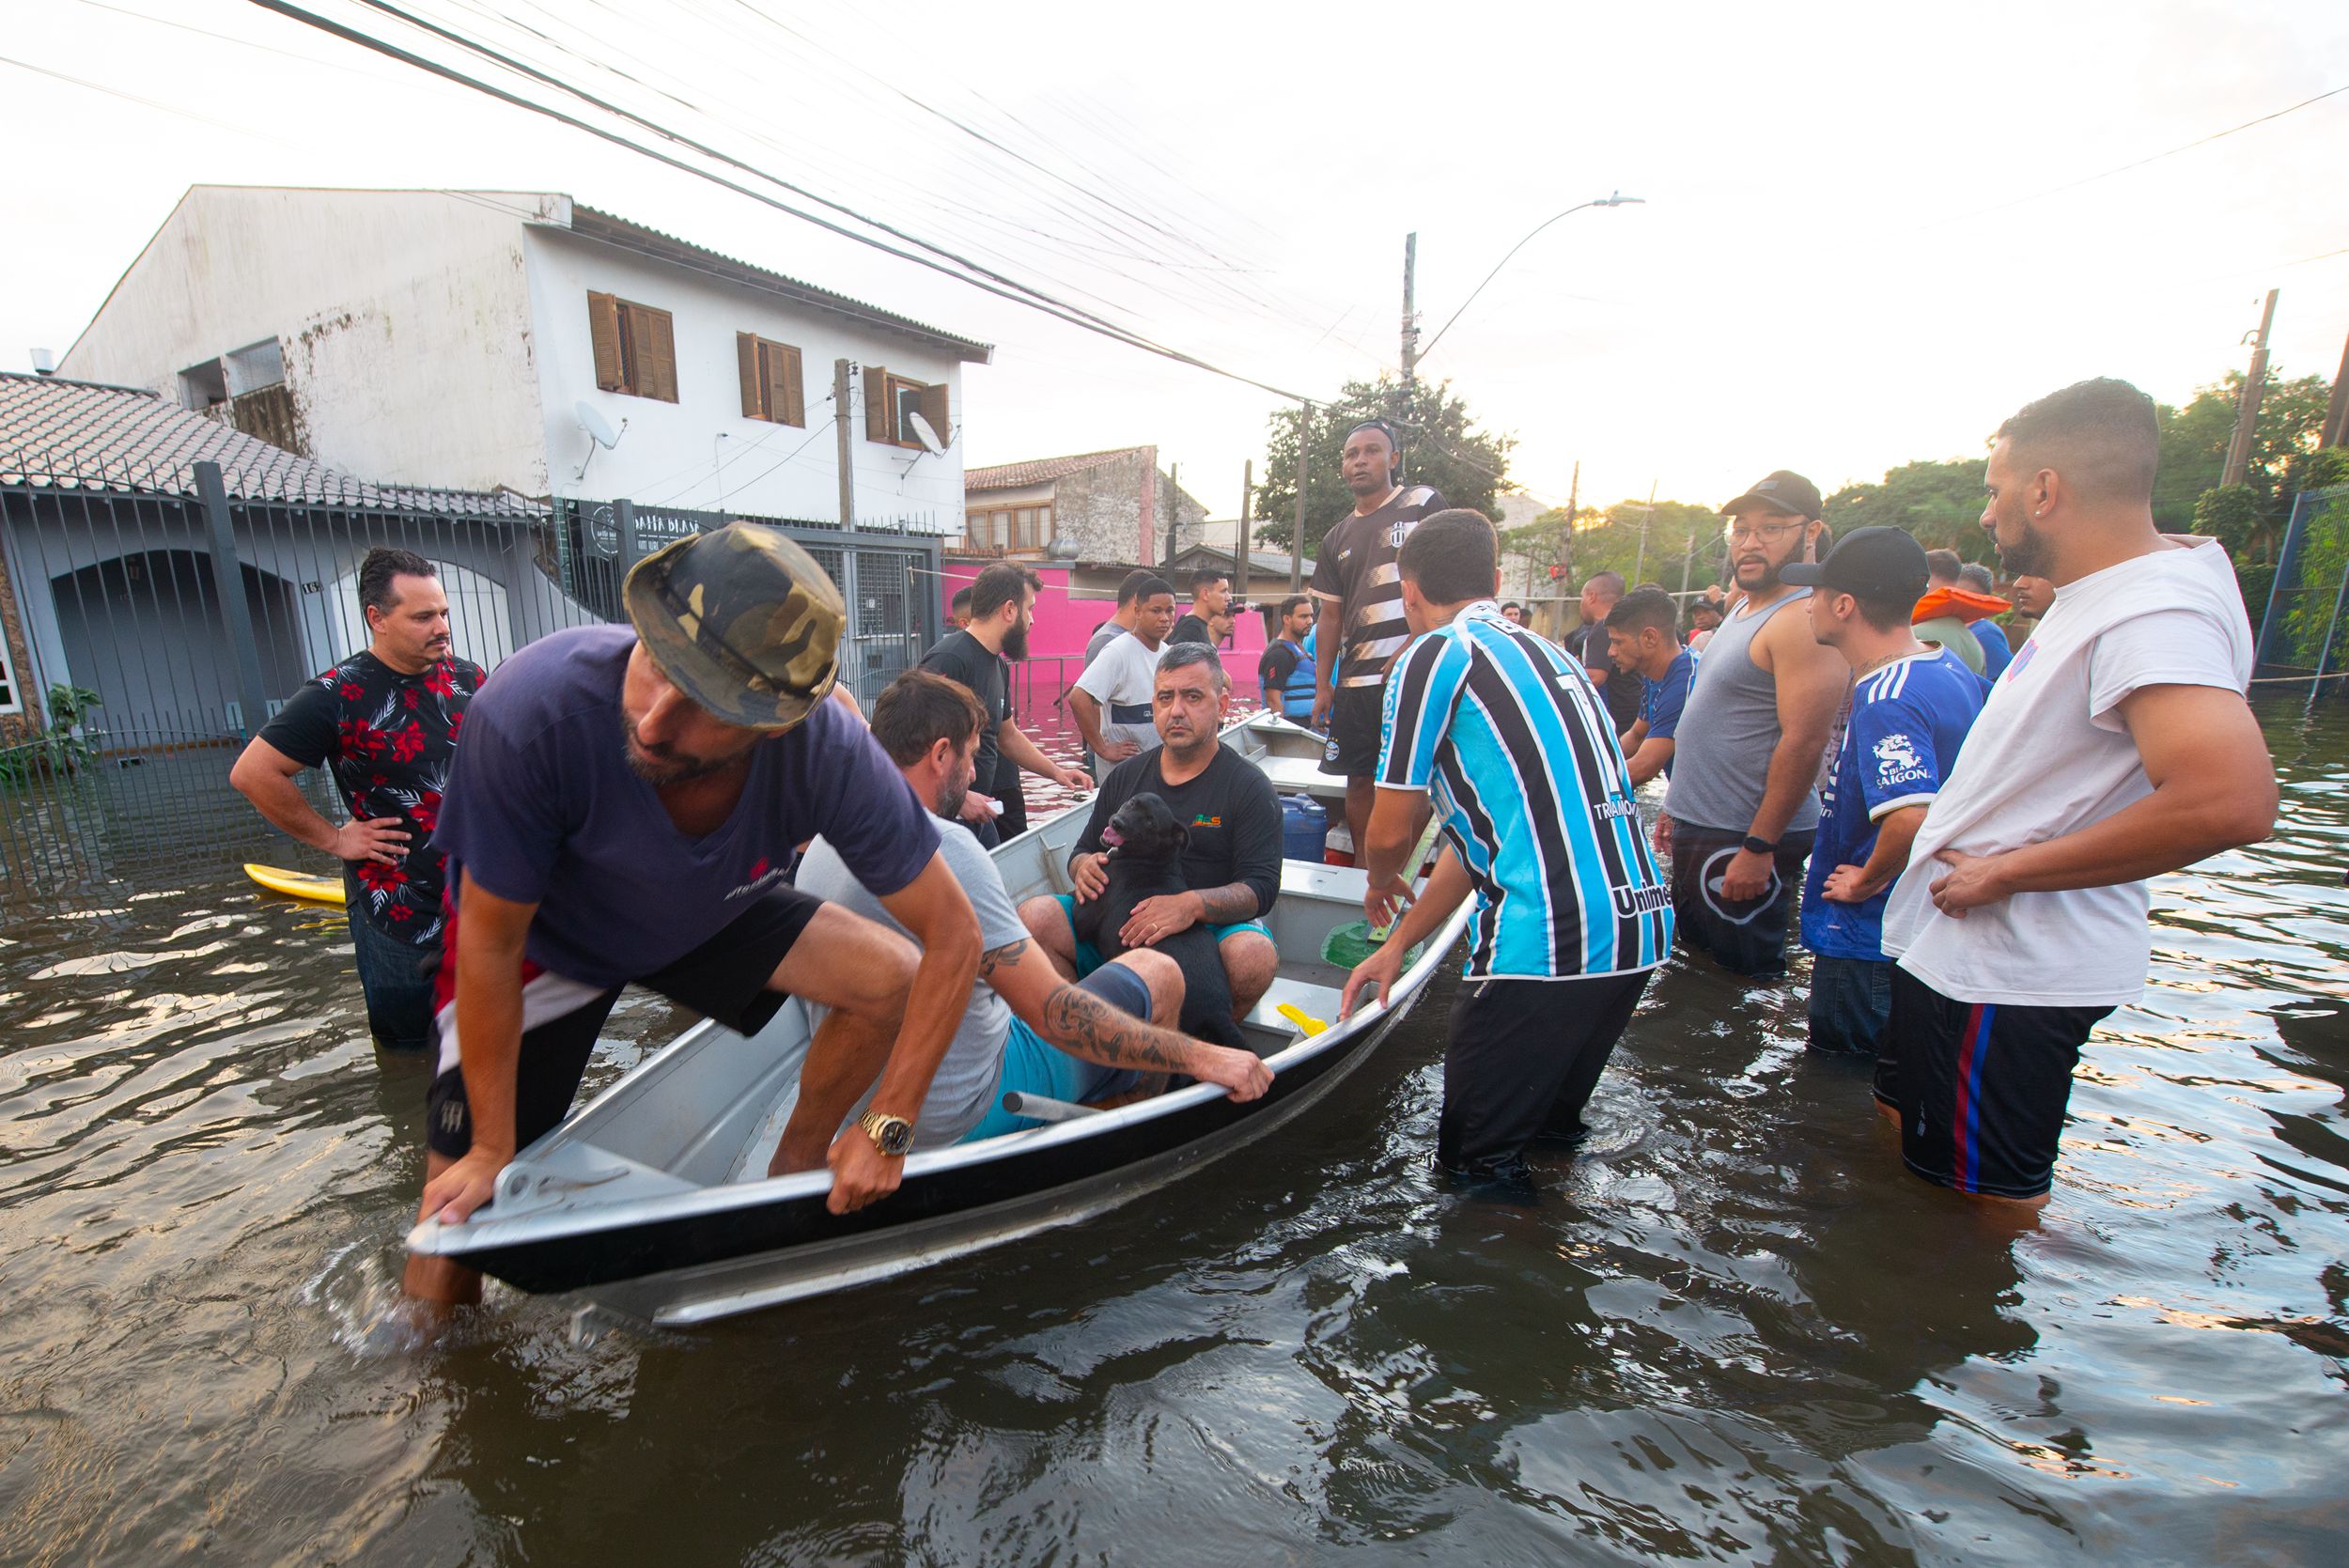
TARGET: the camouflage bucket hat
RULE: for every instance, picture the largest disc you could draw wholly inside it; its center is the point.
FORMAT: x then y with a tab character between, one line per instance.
742	621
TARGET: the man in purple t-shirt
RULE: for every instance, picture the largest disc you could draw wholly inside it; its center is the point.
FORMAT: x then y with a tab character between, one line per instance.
624	810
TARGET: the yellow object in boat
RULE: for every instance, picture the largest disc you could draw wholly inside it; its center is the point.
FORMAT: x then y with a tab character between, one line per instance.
1302	1020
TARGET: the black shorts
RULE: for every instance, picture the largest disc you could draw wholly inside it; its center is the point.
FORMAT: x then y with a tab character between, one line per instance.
1748	939
1357	714
1521	1064
725	979
1981	1087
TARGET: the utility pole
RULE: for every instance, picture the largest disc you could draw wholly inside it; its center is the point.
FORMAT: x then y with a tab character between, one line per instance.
848	451
1174	508
1240	545
1639	564
2337	414
1410	318
2248	414
1687	559
1573	505
1297	536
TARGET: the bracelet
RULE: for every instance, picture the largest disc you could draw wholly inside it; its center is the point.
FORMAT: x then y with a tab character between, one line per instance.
1758	845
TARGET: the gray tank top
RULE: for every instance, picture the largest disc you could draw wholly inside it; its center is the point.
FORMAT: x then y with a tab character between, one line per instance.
1721	753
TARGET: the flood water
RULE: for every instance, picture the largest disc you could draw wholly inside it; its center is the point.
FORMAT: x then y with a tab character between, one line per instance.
1733	1329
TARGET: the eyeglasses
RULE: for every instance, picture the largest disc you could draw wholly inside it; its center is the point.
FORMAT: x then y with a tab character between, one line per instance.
1770	531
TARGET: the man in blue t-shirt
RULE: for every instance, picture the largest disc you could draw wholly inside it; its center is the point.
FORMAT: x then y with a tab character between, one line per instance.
1997	652
1910	708
1643	637
624	810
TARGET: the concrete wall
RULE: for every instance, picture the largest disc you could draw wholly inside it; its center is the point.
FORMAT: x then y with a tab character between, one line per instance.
700	451
1116	510
1072	603
402	316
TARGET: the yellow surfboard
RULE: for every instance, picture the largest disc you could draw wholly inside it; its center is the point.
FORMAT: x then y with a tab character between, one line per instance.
297	884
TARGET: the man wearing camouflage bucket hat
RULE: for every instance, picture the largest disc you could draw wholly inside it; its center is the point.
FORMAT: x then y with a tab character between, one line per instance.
623	809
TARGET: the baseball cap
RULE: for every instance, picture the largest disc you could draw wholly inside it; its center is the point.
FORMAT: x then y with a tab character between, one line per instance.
1783	490
742	621
1885	565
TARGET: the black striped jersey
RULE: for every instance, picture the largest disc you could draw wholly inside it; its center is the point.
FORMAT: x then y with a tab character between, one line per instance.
1357	567
1517	748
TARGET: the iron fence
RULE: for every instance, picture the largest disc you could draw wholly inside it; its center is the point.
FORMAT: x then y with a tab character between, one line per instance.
2305	624
176	624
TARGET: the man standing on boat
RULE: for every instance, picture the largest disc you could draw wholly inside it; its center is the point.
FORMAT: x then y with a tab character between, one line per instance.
623	811
2116	746
1002	605
1027	1029
1284	676
1110	701
384	722
1539	822
1231	860
1743	806
1355	585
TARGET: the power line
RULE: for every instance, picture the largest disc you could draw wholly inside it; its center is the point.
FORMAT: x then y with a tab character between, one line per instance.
1034	300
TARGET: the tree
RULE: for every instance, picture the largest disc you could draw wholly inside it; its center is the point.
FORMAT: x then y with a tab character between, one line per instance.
1940	502
1441	447
1612	540
2194	442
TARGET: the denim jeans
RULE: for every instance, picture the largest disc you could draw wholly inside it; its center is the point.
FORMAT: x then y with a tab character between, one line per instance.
396	976
1851	1000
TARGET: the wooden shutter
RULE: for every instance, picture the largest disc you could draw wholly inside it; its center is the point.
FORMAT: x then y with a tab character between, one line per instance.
603	330
753	388
786	394
654	337
934	409
879	419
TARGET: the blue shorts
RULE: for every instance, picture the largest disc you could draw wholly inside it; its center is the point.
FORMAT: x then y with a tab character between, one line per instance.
1034	1067
1089	956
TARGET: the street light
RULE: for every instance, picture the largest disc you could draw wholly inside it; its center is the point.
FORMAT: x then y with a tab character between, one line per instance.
1618	199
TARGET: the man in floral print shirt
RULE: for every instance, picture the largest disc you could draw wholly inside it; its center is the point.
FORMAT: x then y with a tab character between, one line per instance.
385	722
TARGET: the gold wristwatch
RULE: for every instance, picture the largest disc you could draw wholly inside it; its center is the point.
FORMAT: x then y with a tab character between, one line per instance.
892	1135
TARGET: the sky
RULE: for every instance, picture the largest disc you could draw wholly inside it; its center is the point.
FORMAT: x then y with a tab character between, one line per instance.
1867	233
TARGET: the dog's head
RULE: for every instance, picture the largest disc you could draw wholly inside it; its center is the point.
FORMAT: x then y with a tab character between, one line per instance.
1145	829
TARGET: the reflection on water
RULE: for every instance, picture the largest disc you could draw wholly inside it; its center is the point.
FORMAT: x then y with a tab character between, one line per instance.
1732	1329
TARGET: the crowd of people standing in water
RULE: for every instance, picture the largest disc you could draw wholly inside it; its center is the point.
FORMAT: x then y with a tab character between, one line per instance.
1851	753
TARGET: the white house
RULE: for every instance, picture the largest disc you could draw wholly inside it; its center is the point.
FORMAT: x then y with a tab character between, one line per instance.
449	338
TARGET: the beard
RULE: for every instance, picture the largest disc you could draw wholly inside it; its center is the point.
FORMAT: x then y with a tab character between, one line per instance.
1015	643
661	765
2031	556
948	803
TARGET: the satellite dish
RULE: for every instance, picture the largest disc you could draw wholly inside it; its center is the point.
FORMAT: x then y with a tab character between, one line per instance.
599	430
928	437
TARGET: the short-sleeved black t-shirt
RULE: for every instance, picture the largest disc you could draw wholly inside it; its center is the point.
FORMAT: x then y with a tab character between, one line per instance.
1190	628
1357	567
387	738
962	657
1232	812
1622	688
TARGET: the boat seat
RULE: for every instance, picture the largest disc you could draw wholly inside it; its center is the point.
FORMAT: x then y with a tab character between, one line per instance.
1314	1002
1339	884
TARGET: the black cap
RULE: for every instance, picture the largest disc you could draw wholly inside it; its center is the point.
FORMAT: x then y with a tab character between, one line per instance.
1884	565
1782	491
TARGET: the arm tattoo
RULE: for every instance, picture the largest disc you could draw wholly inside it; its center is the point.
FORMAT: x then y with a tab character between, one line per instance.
1228	905
999	957
1085	1025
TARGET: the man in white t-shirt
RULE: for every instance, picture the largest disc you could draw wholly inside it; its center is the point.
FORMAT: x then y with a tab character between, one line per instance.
2116	746
1110	701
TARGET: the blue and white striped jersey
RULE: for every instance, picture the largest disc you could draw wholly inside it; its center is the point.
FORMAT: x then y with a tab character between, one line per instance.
1521	755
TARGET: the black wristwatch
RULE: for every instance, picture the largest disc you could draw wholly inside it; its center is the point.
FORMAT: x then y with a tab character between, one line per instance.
1758	845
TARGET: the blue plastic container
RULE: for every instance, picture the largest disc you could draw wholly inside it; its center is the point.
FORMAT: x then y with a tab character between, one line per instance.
1304	828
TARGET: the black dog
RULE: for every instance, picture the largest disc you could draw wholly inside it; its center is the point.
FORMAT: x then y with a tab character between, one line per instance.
1145	844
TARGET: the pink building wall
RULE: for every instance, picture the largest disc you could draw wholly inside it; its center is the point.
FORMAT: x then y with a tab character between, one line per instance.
1064	625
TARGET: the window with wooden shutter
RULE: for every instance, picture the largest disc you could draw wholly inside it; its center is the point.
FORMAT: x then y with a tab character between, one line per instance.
635	348
771	387
889	400
603	330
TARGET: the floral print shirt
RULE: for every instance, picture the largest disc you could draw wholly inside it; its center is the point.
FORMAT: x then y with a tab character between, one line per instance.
387	738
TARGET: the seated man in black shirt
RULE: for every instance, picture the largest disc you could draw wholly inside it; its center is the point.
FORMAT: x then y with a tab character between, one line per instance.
1232	861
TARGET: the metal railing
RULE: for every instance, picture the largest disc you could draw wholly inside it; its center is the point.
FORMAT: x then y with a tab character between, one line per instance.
192	605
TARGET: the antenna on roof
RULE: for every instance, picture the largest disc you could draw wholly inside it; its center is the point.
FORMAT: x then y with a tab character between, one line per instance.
44	363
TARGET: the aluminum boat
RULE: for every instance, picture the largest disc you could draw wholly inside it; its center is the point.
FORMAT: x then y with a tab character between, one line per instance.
652	1201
